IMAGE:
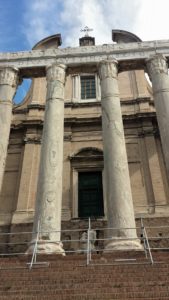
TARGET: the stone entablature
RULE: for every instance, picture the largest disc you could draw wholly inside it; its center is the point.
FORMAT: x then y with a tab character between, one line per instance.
130	56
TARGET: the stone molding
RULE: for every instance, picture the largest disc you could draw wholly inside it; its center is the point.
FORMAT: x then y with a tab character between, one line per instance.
9	76
130	56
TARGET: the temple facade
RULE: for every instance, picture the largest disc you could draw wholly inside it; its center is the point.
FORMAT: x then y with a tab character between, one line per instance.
90	139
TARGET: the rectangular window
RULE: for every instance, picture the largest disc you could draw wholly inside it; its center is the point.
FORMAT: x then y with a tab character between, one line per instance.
90	194
88	87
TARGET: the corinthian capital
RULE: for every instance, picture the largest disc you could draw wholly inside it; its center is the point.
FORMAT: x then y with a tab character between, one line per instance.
9	76
157	65
108	69
56	72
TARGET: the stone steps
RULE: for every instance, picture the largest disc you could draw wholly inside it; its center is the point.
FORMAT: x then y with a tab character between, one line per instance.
36	289
88	295
66	279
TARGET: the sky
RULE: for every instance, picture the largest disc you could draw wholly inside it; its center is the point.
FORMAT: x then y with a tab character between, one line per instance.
25	22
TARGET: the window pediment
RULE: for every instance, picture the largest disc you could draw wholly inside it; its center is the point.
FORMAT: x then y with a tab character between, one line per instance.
87	153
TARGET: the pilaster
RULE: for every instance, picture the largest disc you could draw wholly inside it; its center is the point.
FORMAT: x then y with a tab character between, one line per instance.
28	181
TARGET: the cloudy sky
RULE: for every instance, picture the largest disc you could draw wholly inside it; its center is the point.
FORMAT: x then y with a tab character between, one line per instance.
25	22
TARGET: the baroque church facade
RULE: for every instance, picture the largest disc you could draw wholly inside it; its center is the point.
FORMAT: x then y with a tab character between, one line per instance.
82	175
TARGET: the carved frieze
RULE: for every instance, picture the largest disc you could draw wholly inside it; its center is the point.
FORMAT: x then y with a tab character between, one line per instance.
157	65
31	62
9	76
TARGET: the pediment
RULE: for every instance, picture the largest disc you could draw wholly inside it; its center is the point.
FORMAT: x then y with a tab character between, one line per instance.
87	153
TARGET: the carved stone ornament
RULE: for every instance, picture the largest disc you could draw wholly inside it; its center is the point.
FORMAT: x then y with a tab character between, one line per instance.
56	72
92	240
108	69
157	65
32	140
9	76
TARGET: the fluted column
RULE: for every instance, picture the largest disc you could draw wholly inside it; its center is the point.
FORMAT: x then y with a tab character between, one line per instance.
8	85
49	191
120	212
158	71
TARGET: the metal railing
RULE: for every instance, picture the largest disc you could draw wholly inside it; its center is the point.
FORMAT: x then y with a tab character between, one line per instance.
90	242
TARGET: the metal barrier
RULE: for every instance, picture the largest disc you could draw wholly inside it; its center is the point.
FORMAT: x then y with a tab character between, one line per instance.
86	245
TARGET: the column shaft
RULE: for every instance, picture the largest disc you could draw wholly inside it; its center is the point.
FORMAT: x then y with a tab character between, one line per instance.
120	212
158	72
8	85
49	191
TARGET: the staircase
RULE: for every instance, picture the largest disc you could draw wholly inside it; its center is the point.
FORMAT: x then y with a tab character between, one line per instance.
121	276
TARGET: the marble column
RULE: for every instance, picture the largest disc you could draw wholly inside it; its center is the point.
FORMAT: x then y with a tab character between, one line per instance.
158	71
120	212
8	85
49	192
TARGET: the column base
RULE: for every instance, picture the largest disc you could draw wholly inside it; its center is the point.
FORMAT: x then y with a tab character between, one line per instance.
123	245
46	247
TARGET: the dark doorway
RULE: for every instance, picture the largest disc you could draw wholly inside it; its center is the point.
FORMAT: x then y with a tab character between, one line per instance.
90	194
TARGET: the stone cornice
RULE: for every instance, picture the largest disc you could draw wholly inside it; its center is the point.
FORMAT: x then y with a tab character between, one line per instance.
98	103
89	120
130	56
135	117
36	106
17	110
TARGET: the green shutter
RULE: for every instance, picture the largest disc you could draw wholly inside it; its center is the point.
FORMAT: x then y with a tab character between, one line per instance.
90	194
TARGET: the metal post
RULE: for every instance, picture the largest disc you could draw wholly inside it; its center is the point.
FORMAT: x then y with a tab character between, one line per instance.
88	244
144	238
33	260
90	253
148	246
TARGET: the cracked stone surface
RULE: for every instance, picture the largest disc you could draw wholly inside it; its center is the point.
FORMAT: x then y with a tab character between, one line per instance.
120	210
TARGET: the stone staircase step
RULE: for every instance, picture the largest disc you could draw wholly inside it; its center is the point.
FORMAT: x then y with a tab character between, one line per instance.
69	278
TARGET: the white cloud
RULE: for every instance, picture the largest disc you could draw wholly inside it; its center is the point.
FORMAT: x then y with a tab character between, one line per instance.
147	18
102	16
153	21
41	19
